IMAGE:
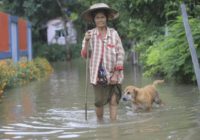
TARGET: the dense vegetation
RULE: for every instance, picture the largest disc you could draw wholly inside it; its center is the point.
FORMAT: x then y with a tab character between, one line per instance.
154	27
17	74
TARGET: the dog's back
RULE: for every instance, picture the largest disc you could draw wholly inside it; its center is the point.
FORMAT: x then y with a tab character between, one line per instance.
151	91
152	88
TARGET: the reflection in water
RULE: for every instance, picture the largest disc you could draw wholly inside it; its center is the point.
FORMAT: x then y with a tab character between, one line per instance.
16	108
54	109
136	75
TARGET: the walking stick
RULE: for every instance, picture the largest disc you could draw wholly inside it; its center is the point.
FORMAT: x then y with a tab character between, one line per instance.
86	81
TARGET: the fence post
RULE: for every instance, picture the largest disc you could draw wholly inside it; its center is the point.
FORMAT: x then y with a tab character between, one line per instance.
14	44
29	41
191	44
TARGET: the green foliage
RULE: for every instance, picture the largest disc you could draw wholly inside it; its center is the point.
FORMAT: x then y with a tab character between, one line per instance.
44	66
37	12
145	13
50	52
25	71
142	21
76	50
13	75
170	55
55	52
7	74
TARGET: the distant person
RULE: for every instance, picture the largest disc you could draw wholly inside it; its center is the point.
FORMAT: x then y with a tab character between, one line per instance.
106	58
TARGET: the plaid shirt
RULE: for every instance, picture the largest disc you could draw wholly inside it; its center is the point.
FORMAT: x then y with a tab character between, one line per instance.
107	50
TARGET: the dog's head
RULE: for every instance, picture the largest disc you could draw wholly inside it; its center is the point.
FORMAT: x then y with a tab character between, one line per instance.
130	93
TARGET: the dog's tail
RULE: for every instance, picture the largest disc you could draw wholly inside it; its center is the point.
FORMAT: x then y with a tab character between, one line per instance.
158	82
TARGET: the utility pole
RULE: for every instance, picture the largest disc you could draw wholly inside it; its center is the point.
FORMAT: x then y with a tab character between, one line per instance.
191	44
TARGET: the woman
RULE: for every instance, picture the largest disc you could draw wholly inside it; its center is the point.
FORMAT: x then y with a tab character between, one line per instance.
106	58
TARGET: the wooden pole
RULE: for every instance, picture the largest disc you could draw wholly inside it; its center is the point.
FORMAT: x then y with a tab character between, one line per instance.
191	44
86	81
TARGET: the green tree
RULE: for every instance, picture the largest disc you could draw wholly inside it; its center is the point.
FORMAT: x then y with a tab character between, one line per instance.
147	22
36	11
170	55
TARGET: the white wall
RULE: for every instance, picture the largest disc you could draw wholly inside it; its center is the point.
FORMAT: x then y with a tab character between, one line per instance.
56	25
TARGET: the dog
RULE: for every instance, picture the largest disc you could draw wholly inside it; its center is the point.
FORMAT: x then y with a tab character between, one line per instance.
143	98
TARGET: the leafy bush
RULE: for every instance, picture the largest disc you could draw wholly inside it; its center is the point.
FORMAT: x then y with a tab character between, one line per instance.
7	74
55	52
44	67
76	50
12	75
170	55
50	52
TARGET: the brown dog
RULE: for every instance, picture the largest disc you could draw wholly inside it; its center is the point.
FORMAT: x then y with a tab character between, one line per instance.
143	98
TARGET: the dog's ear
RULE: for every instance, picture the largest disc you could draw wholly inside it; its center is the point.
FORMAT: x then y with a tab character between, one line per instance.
135	91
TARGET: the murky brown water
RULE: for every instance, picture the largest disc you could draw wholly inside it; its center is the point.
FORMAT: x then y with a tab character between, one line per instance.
54	109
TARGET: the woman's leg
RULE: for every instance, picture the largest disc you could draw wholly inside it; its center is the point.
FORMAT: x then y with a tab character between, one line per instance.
99	113
98	90
113	107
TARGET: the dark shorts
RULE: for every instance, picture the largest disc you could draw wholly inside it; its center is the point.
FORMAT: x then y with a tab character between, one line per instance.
103	93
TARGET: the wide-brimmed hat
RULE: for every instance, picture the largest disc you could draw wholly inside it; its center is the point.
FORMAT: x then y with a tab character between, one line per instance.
87	14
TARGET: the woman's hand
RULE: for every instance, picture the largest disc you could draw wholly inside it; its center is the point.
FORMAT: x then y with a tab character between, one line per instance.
87	35
114	78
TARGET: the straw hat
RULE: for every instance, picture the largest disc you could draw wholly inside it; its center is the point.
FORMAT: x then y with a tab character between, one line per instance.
87	14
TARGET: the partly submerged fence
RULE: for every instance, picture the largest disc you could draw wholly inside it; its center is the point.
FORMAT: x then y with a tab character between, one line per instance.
15	37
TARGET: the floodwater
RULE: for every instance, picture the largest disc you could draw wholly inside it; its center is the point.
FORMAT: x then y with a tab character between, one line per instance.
54	109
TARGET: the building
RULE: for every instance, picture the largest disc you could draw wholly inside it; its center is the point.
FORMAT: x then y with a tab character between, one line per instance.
56	34
15	38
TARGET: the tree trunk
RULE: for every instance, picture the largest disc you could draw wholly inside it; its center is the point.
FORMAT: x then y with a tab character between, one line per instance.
65	19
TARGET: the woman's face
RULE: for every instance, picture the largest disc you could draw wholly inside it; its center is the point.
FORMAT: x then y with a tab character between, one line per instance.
100	19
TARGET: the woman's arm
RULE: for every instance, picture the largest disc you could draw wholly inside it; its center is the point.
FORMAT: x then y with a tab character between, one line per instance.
85	44
120	54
